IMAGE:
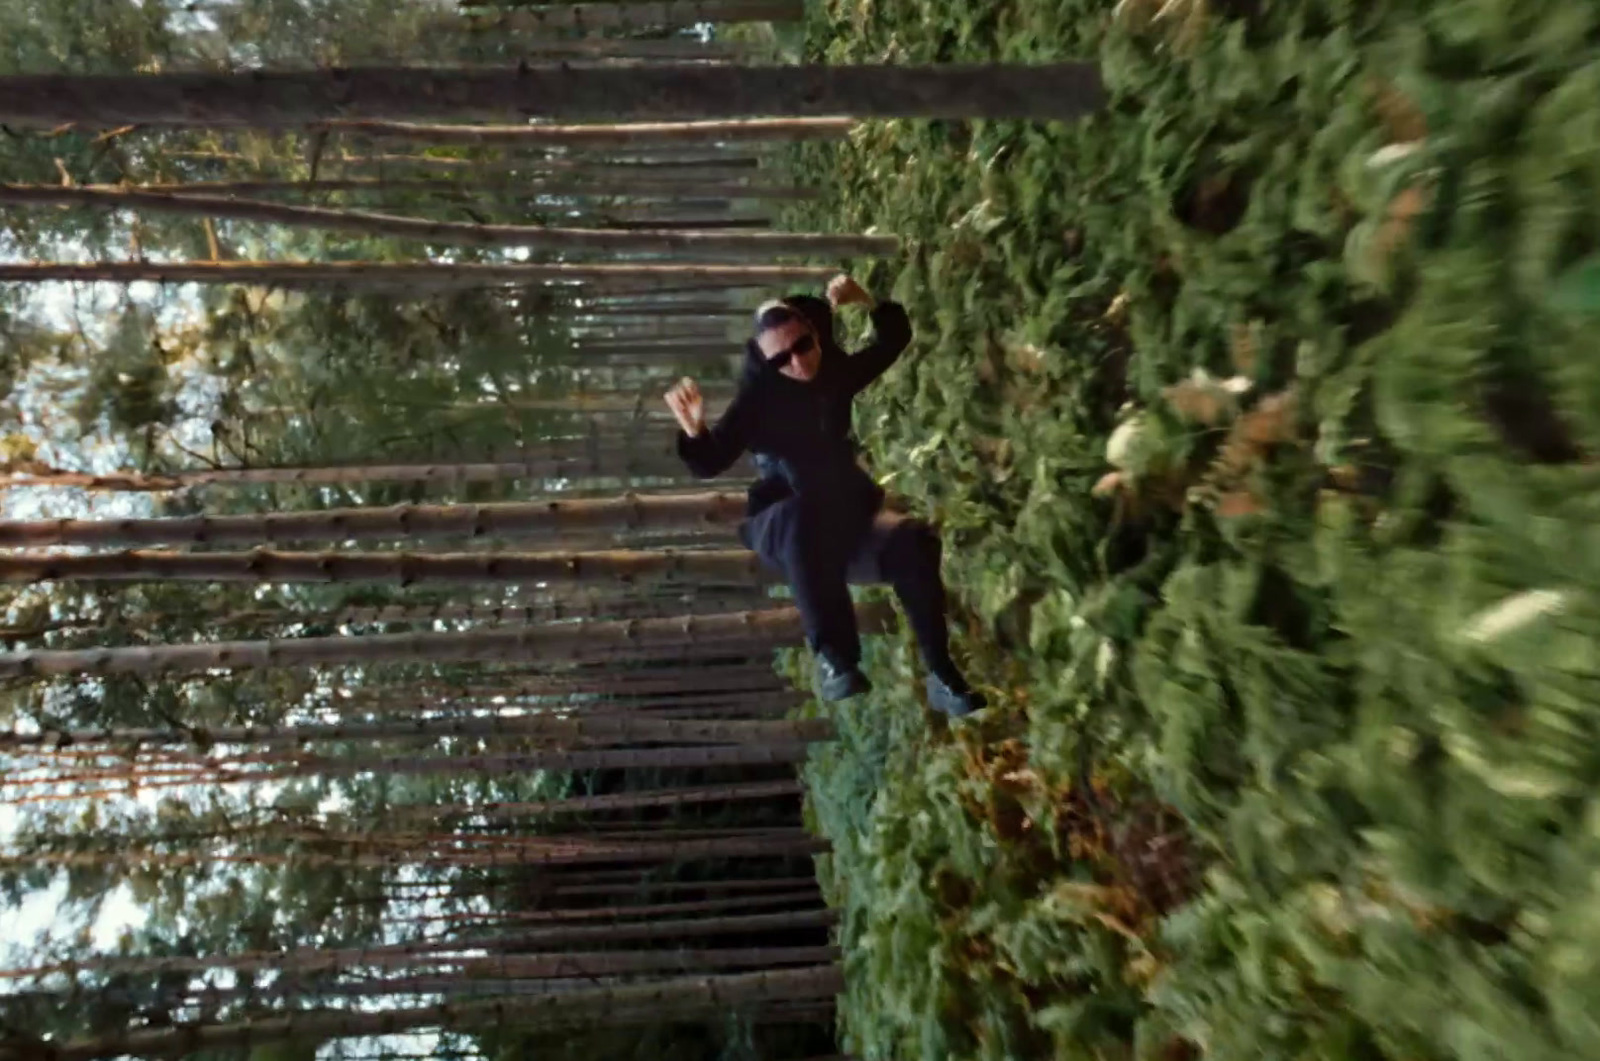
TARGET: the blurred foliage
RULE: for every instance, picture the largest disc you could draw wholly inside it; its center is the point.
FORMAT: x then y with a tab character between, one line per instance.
1259	411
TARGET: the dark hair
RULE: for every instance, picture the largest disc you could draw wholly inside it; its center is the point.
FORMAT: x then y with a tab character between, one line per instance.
774	316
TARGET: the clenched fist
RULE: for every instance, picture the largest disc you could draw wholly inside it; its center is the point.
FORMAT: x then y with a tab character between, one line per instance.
843	290
688	406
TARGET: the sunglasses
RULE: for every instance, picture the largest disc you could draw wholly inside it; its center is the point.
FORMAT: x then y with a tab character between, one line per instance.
799	348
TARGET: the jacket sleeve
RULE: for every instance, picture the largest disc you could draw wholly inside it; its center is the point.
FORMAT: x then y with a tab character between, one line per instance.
714	450
891	335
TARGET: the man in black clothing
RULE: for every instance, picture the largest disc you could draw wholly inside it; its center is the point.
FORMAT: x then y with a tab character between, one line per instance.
815	514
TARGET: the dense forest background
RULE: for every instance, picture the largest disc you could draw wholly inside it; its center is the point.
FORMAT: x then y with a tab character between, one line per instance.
378	687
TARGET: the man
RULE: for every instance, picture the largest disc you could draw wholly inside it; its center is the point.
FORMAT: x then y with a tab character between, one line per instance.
815	514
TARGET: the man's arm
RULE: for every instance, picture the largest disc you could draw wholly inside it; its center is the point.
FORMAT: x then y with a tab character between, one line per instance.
714	449
891	329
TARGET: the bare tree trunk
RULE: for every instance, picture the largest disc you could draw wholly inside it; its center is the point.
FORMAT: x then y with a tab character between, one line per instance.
674	758
632	15
619	183
671	797
736	245
558	610
744	677
633	134
527	852
524	974
664	346
403	955
509	520
669	92
794	899
404	568
638	885
684	48
580	160
694	706
573	641
659	310
487	471
583	1005
559	601
603	728
407	275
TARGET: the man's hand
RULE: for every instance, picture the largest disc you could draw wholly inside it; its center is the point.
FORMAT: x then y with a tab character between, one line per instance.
688	407
843	290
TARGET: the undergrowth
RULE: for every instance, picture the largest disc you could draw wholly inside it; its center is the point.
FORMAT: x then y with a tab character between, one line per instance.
1259	412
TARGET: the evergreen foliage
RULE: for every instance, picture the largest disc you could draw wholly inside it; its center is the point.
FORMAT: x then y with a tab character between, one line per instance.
1259	413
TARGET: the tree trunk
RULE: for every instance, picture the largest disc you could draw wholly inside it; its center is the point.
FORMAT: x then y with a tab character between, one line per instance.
670	797
593	1004
582	607
630	15
402	955
488	471
554	851
572	641
601	728
674	758
684	48
631	134
580	161
807	897
762	245
601	183
265	99
695	707
403	568
508	520
640	886
663	346
642	310
407	275
743	677
517	975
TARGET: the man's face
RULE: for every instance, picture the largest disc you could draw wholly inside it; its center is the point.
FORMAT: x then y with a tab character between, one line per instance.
796	342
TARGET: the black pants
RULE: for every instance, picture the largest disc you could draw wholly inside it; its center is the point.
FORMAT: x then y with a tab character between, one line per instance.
821	550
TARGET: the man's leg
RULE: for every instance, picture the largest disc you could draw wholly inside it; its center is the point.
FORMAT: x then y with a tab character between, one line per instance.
906	553
799	540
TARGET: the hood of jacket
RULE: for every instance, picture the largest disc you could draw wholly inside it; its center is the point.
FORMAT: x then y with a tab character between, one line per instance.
813	309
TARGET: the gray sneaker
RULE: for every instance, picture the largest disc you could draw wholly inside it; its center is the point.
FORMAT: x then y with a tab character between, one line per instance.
836	683
955	703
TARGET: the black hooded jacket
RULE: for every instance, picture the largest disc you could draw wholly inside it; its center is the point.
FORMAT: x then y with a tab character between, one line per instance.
799	433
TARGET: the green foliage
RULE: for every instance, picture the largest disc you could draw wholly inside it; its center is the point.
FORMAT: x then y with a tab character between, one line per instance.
1340	620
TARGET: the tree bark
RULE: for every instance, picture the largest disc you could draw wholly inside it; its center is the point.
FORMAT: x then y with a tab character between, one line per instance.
401	955
743	677
736	245
423	275
403	568
670	797
631	14
557	610
683	48
640	886
508	520
628	134
572	641
673	758
619	183
487	471
670	92
604	1004
605	728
